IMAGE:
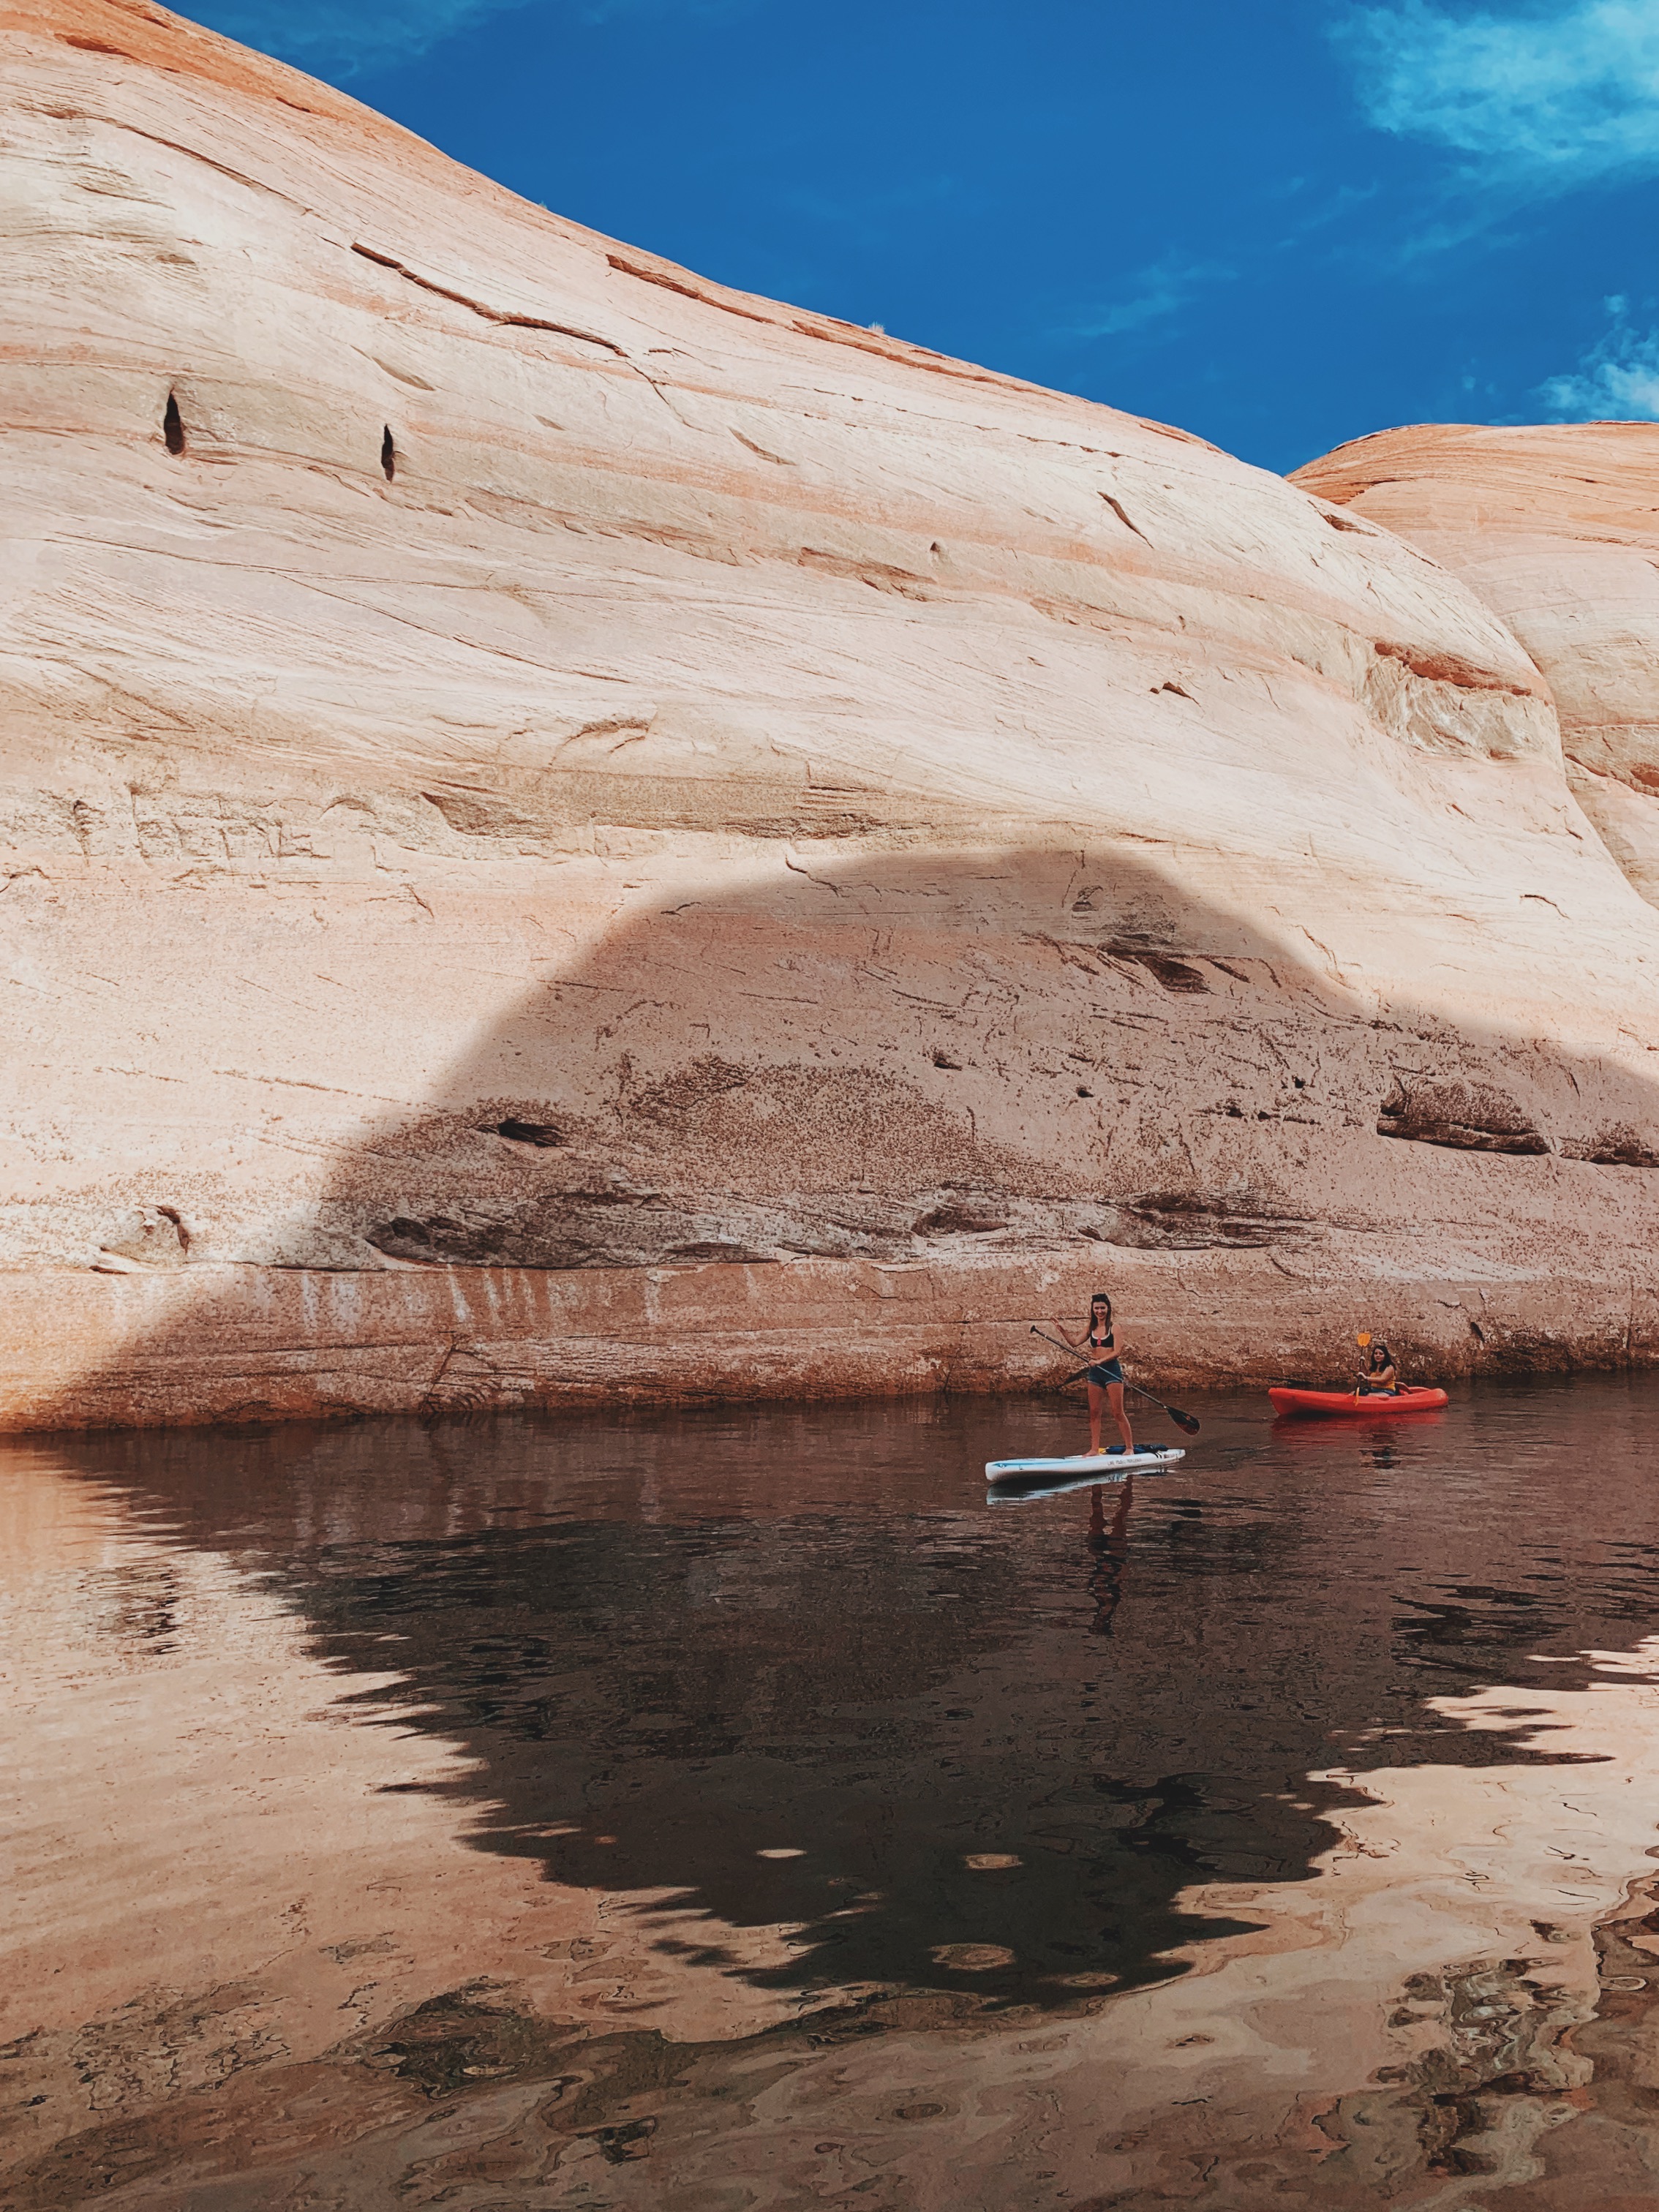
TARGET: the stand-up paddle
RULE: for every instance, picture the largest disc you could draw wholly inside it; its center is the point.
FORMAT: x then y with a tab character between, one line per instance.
1188	1424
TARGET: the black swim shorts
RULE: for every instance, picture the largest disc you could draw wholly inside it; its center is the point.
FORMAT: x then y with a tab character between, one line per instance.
1109	1371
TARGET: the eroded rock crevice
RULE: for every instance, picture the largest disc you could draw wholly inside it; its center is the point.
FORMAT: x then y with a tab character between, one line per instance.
1465	1116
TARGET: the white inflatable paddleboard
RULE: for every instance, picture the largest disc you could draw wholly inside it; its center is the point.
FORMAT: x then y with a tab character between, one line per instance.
1105	1464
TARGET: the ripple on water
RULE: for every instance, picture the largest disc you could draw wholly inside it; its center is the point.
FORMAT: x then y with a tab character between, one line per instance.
747	1742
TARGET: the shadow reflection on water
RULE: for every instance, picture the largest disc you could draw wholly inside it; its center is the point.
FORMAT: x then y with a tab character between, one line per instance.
781	1668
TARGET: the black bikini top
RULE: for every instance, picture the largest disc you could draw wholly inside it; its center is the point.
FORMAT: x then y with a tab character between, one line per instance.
1106	1343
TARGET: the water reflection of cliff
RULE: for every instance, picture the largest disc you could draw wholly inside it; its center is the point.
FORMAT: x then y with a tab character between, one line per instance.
784	1672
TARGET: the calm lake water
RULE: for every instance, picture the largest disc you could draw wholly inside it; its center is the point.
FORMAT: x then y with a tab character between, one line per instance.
738	1810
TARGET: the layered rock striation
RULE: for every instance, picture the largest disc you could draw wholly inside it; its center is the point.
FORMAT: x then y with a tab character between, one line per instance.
571	832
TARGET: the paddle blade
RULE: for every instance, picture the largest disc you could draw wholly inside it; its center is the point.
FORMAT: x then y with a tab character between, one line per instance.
1362	1338
1188	1424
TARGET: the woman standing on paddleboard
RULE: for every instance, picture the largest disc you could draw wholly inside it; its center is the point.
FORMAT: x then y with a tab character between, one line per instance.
1105	1372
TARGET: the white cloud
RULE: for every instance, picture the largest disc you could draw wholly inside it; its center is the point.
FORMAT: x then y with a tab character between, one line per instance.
1152	294
1618	381
1543	102
344	39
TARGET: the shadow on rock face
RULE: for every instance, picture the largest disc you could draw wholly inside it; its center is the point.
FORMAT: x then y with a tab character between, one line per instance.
891	1057
975	1063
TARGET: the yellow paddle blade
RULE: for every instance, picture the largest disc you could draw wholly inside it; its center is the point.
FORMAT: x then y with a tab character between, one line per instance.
1362	1338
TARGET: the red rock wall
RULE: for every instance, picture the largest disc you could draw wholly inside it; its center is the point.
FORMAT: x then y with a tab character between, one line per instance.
728	827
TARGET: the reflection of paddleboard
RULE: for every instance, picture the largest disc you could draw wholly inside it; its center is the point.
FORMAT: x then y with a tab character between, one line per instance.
1102	1464
1026	1489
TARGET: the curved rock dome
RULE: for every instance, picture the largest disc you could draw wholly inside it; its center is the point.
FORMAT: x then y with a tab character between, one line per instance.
1556	527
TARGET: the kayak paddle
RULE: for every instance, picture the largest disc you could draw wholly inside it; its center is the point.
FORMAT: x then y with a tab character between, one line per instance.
1188	1424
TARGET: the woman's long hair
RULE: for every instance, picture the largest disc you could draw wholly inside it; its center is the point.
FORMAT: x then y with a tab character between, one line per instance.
1381	1357
1098	1300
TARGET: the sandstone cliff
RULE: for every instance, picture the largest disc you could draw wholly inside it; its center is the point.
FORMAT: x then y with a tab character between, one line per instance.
1556	526
571	832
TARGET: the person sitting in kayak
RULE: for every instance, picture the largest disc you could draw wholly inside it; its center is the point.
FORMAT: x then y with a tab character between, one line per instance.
1104	1373
1381	1378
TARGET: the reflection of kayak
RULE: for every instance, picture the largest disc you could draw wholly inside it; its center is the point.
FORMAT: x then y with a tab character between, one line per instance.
1102	1464
1287	1401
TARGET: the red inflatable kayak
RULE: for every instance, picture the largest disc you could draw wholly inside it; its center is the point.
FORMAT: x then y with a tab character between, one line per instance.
1287	1401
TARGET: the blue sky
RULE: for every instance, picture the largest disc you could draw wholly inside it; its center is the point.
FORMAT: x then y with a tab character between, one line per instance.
1280	225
